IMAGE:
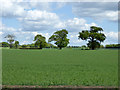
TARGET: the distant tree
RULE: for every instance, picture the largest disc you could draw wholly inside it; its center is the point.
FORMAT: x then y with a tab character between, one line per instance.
94	37
4	44
83	46
23	46
112	46
32	45
16	44
10	39
60	38
40	41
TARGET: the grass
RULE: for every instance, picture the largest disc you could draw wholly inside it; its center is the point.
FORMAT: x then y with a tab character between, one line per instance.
60	67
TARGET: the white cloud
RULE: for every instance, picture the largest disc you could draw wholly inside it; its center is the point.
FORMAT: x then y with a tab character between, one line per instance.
15	8
112	15
77	24
36	20
96	10
11	9
42	21
111	37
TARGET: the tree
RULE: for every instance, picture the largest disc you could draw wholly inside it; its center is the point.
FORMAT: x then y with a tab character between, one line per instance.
60	38
16	44
94	37
10	39
4	44
40	41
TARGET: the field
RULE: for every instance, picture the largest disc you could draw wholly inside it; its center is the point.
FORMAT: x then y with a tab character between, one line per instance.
60	67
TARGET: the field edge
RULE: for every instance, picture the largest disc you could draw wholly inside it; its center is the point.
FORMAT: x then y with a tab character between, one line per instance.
60	86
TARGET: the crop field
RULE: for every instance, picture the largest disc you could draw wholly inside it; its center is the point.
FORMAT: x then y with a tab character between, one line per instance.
49	67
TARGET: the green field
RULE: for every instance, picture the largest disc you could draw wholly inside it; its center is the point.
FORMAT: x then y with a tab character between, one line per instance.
60	67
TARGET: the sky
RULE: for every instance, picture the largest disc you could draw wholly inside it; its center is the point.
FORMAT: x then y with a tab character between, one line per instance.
27	19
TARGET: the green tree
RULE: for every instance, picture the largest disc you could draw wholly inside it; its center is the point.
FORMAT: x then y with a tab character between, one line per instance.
4	44
94	37
60	38
16	44
10	39
40	41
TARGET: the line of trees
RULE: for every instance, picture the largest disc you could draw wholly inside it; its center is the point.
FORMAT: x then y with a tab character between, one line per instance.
94	36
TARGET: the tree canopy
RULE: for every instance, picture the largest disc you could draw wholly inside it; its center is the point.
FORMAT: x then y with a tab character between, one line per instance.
60	38
94	36
40	41
16	44
10	39
4	44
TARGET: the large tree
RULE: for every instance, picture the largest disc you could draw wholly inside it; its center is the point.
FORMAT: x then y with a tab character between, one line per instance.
60	38
16	44
10	39
94	37
40	41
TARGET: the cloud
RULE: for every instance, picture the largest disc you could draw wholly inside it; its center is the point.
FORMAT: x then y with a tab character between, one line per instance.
74	39
77	24
96	10
111	37
11	9
36	20
14	8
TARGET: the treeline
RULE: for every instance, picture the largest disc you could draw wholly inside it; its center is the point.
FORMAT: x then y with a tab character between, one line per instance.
6	44
94	36
112	46
48	45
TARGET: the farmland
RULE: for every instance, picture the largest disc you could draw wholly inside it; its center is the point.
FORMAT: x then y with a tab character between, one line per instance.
60	67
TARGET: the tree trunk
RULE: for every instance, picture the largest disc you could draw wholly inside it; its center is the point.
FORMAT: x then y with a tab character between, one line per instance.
16	46
93	44
40	47
10	45
93	48
60	48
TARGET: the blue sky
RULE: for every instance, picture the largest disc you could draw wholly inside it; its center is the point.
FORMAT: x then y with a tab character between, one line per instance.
27	19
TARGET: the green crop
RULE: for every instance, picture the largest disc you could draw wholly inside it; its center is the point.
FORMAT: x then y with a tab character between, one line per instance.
60	67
